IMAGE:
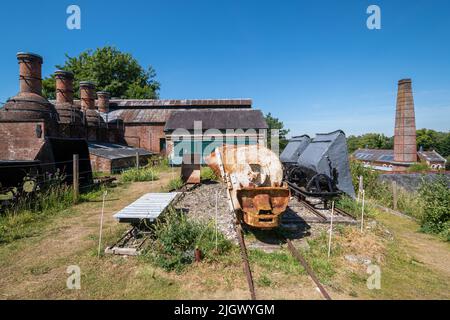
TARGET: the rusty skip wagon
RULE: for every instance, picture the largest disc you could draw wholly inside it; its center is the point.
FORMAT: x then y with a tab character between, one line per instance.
254	178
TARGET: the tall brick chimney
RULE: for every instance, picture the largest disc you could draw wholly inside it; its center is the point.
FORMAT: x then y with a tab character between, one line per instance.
103	101
87	95
29	104
405	149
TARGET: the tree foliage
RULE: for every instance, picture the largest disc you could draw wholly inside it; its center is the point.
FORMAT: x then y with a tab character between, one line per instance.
371	141
275	123
111	70
426	138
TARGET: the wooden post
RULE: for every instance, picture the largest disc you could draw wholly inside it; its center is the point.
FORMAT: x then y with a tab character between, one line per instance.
137	159
362	211
331	230
394	195
76	178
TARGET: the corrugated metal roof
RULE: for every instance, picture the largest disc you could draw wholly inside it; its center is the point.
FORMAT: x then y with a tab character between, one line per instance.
149	206
431	156
140	103
115	151
217	119
140	115
382	155
379	155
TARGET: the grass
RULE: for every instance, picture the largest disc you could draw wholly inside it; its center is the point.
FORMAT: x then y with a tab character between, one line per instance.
174	184
176	238
139	175
207	174
26	217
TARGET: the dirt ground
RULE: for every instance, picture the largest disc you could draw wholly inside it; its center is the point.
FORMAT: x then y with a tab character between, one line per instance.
36	267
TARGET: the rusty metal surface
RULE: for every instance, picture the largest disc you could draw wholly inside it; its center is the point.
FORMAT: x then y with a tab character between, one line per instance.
263	206
246	264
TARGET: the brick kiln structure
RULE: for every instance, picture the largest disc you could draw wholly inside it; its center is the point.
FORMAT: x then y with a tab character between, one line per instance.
114	129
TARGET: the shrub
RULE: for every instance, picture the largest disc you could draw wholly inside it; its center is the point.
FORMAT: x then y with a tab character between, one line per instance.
206	173
141	174
419	167
176	238
436	203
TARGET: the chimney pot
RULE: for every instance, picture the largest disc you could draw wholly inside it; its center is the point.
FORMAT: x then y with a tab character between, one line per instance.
30	73
103	101
64	87
87	95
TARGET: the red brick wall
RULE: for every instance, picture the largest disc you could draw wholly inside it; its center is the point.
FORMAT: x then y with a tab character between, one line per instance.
18	140
100	164
144	136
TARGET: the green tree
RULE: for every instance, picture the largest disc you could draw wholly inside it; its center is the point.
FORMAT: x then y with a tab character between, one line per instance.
371	140
434	140
112	70
275	123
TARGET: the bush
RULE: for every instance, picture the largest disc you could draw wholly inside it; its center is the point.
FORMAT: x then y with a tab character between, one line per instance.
177	237
206	173
436	203
419	167
141	174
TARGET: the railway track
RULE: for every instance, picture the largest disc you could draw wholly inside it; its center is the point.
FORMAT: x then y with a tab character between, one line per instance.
295	253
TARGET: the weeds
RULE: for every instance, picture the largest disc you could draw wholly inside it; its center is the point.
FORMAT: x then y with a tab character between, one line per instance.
138	175
174	184
206	173
177	237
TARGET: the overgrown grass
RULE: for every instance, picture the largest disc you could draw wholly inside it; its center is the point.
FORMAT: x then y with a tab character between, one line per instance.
354	208
174	184
16	222
177	237
138	175
26	217
206	173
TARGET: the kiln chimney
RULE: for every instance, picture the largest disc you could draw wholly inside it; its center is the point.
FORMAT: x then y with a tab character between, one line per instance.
103	101
30	73
87	95
29	104
64	87
405	149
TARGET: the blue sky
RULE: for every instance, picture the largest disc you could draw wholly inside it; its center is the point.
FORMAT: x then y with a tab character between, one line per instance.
313	64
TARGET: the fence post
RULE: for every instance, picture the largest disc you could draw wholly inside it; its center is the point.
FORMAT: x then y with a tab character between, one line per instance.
394	195
137	159
76	178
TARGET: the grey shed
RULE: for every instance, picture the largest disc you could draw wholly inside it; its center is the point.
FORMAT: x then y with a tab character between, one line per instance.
329	149
294	149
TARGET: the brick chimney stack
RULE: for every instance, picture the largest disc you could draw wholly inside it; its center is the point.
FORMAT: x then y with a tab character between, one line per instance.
64	87
405	149
30	73
103	101
87	95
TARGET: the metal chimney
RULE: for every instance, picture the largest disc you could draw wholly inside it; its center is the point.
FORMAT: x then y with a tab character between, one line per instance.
405	148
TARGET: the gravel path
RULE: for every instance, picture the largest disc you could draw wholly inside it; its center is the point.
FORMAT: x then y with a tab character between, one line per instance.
200	204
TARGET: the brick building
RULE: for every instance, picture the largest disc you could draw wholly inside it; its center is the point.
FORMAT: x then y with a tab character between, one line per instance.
35	129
